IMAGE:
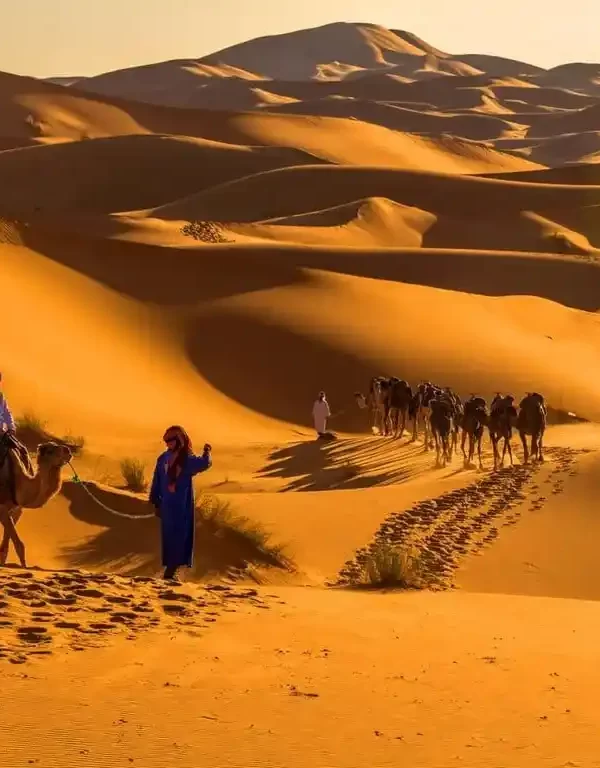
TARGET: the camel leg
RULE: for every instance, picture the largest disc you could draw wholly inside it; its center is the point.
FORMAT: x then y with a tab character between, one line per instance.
437	448
462	447
426	432
471	449
4	546
386	421
15	514
446	447
10	533
494	441
376	421
479	442
403	427
395	422
540	448
523	437
508	446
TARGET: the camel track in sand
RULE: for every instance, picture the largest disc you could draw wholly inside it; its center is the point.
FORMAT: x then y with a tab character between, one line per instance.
43	611
463	522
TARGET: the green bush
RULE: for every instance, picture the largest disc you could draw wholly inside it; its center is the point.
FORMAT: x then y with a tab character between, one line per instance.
133	472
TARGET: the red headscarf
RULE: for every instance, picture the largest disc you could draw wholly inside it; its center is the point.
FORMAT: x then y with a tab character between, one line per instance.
178	456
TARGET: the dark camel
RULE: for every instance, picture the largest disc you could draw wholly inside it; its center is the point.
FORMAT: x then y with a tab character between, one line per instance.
531	421
458	412
420	411
400	396
441	420
502	420
475	419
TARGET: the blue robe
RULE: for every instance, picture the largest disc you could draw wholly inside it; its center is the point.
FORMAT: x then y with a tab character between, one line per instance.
177	509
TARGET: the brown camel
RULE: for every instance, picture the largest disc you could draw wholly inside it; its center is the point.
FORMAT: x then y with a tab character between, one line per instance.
441	412
378	401
420	411
474	420
457	412
23	489
532	421
503	417
400	396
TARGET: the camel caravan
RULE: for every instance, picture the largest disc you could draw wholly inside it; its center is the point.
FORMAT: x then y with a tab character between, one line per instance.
443	418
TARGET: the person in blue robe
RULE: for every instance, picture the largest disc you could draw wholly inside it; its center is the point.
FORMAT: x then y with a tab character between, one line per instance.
172	495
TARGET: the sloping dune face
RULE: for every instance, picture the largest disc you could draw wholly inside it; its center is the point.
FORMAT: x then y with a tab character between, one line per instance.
213	241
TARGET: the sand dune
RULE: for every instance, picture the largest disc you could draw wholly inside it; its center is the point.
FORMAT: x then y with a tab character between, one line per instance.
211	242
153	169
42	111
315	187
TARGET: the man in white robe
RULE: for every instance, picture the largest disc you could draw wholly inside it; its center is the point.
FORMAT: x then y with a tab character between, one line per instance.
321	413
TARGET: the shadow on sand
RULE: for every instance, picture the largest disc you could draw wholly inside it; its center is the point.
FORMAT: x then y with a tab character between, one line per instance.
347	463
133	548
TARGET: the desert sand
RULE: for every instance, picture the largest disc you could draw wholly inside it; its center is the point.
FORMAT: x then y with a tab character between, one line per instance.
212	242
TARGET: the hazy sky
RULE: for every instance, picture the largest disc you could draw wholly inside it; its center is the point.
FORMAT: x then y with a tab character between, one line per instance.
84	37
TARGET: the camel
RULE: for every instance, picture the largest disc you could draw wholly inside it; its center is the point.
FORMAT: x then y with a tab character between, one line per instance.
457	416
441	418
503	417
378	401
420	411
474	420
400	396
21	489
532	421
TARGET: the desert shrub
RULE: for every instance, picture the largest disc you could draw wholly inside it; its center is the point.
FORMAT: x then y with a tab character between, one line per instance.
30	421
133	472
205	231
75	442
219	516
389	566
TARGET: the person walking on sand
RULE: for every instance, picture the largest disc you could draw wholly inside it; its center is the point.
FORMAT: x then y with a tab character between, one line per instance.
172	495
321	413
7	422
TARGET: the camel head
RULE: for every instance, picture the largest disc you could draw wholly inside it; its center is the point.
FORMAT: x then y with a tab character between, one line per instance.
53	455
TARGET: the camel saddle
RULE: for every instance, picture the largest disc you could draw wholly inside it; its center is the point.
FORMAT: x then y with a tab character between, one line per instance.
10	445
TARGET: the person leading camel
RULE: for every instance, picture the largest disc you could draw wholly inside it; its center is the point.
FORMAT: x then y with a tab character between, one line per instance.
172	495
321	412
7	422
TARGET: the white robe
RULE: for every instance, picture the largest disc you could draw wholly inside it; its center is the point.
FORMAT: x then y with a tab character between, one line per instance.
321	413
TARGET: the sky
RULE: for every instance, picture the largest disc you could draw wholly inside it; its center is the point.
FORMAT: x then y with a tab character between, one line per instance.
47	38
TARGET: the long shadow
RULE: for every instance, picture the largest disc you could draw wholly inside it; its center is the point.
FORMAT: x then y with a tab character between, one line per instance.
132	547
343	464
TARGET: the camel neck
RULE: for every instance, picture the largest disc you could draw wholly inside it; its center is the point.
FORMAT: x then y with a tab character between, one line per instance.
34	492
